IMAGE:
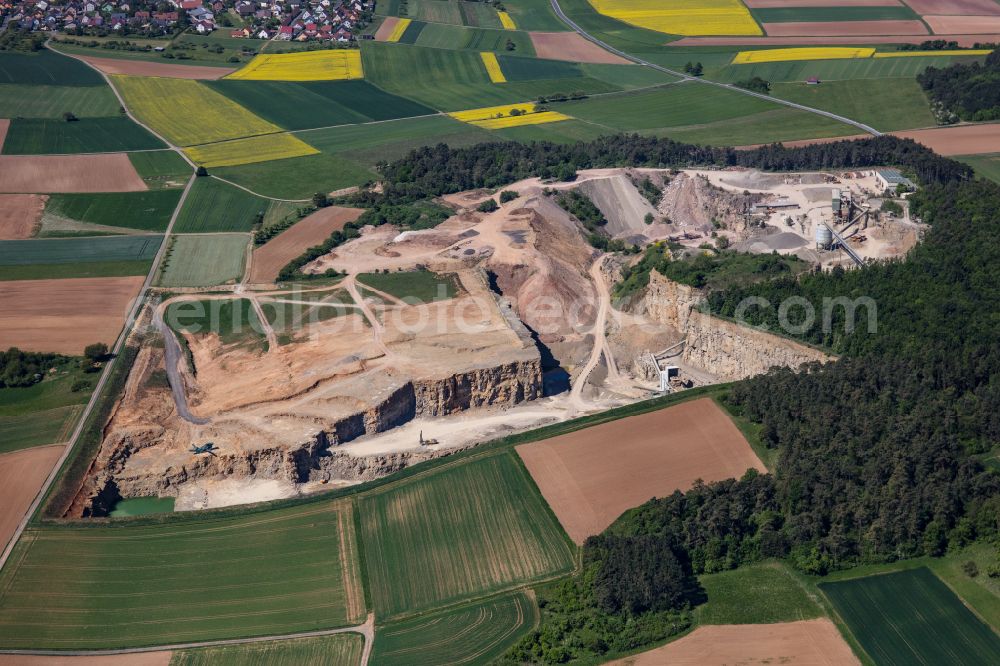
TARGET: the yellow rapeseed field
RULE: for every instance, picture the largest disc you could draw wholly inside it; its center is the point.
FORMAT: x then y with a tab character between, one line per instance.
910	54
305	66
493	67
506	21
248	151
805	53
398	30
683	17
187	112
500	117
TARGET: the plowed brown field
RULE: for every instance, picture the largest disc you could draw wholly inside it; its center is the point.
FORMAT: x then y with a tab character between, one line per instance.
965	41
132	659
143	68
844	28
64	315
590	477
964	25
571	46
960	140
960	7
806	643
4	126
112	172
313	230
781	4
22	474
384	30
19	215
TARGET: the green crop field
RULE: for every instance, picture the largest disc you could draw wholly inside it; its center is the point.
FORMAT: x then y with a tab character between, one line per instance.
212	205
200	578
781	124
233	320
46	68
912	617
147	211
204	260
834	70
444	36
516	68
412	32
475	634
35	101
455	80
334	650
297	106
424	286
42	136
367	144
45	412
824	14
627	76
756	594
90	269
38	429
458	532
79	250
885	104
534	15
161	168
986	166
566	131
297	177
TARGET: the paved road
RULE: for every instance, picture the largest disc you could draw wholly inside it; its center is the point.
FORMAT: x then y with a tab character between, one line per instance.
639	61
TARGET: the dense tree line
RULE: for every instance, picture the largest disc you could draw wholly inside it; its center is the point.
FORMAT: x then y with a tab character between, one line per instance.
965	92
435	170
20	368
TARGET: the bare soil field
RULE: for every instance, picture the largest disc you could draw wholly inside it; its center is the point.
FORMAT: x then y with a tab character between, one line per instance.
64	315
112	172
781	4
590	477
4	126
959	140
313	230
844	28
809	642
132	659
964	41
965	25
955	7
21	476
144	68
20	215
385	30
571	46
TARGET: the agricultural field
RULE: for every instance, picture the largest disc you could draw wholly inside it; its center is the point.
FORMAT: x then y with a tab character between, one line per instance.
341	64
299	178
65	315
212	206
507	115
837	69
21	476
251	150
299	106
43	413
534	15
145	211
20	215
457	532
885	104
334	650
986	166
517	68
493	67
656	454
421	286
234	320
959	140
912	617
38	101
106	256
802	53
46	68
756	594
272	256
161	168
274	572
566	131
683	17
218	117
204	260
832	13
44	136
766	127
68	173
474	634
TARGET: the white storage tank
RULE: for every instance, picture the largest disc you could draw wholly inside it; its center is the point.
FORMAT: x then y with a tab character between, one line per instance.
824	237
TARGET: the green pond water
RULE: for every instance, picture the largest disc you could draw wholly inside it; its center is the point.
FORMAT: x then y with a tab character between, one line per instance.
141	506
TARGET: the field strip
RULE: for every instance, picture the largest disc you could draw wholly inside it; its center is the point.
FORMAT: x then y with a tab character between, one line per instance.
367	630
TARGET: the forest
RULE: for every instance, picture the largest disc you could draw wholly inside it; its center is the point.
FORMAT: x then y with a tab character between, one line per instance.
964	92
19	368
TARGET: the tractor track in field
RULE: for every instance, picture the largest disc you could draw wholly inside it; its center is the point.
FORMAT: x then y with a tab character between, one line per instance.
693	79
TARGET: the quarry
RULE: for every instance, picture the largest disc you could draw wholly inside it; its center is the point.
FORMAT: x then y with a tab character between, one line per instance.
427	342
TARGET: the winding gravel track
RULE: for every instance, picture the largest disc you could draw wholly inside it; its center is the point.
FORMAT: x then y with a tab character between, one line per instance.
639	61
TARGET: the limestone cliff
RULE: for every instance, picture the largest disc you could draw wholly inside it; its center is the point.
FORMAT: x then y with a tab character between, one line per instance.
669	302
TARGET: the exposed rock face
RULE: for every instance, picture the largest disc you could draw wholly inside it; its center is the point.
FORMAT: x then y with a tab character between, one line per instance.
689	200
506	384
724	348
731	351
